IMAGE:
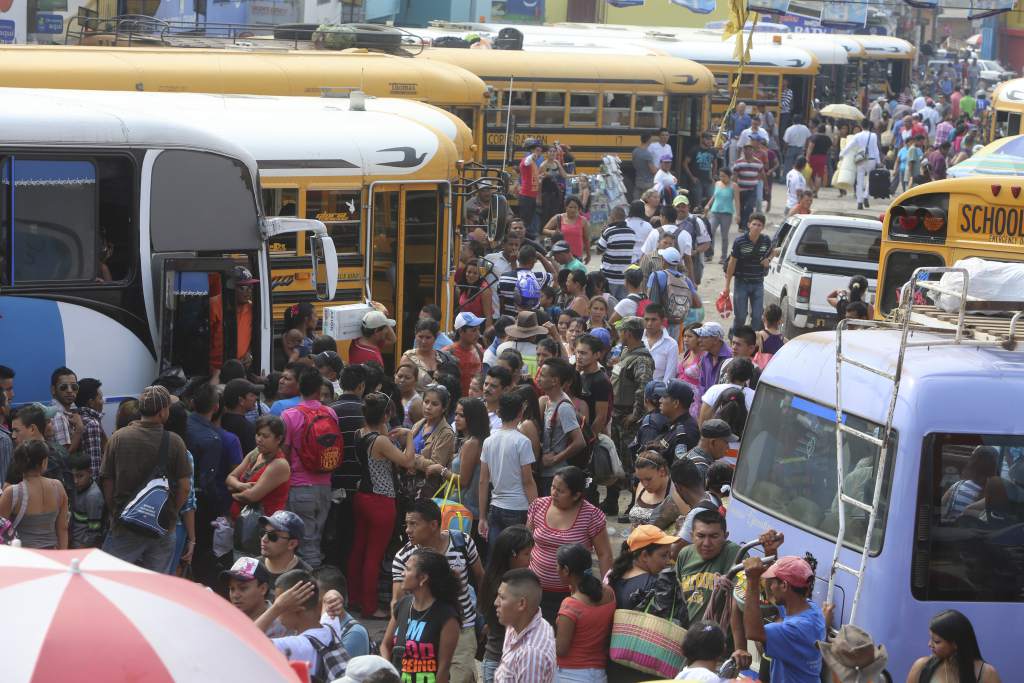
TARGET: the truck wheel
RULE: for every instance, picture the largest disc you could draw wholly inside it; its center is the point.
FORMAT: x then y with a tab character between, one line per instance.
789	330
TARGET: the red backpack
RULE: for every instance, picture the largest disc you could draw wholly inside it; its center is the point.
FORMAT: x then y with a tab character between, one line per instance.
321	446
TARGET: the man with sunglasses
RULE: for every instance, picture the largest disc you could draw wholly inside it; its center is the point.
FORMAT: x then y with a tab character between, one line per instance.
68	427
282	532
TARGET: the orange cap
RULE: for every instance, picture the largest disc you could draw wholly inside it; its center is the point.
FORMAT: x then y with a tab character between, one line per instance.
648	534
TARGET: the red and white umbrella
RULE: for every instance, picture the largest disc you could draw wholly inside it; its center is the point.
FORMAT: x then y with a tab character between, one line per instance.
84	615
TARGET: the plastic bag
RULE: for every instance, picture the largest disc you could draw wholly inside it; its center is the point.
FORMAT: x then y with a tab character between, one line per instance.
985	280
223	537
724	304
247	530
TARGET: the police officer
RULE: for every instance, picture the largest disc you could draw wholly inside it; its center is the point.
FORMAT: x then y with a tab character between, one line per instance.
632	372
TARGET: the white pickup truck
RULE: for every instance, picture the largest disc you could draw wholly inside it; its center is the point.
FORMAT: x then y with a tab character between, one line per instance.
815	255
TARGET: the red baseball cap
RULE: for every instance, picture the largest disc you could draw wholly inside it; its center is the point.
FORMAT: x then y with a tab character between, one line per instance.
792	569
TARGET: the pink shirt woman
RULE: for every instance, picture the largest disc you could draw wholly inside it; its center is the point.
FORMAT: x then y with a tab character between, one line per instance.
689	367
573	227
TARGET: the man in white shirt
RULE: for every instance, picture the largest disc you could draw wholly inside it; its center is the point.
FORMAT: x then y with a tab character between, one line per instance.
795	182
663	348
930	117
866	141
664	180
919	103
755	132
875	112
795	140
660	148
637	222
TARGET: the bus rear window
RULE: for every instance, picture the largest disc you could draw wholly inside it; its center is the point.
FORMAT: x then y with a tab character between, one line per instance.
968	542
899	268
791	473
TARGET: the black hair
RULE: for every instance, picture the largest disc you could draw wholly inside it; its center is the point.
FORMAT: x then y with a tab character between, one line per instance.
509	405
352	376
232	369
271	422
433	311
513	358
596	280
58	373
295	368
858	287
731	406
591	342
177	420
670	214
956	628
550	346
741	369
206	399
710	517
645	136
858	309
6	372
502	374
527	255
510	542
800	162
425	508
637	209
321	343
79	462
29	455
574	199
574	479
577	276
522	578
329	386
478	425
634	277
577	561
704	641
444	584
744	332
773	314
561	368
296	313
757	217
295	576
375	407
374	375
648	459
528	395
501	324
427	325
685	473
655	308
310	382
329	359
88	390
330	578
271	386
719	479
726	171
444	395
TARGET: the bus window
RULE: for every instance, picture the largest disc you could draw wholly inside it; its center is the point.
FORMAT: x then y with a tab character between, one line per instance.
339	211
768	88
550	109
970	508
54	227
791	473
616	110
282	201
583	109
465	114
899	267
722	95
196	191
384	281
746	87
520	106
649	111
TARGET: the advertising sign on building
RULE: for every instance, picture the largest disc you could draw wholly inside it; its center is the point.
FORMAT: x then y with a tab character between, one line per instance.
12	21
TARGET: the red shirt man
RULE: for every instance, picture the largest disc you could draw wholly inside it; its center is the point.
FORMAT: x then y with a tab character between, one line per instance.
377	330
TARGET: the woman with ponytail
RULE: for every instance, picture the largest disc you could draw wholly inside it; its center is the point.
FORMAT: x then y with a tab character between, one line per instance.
584	624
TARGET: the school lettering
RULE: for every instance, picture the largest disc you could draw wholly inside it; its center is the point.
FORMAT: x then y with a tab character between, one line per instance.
992	223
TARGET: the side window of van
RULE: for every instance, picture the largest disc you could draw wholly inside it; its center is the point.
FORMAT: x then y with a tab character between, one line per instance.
970	520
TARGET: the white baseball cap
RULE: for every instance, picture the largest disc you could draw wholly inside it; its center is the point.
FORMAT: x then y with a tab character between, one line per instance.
670	254
375	320
466	318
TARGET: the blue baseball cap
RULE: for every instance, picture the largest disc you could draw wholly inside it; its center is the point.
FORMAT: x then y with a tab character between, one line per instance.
604	335
467	319
286	521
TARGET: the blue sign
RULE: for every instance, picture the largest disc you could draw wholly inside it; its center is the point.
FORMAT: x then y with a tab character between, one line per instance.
799	24
49	23
6	31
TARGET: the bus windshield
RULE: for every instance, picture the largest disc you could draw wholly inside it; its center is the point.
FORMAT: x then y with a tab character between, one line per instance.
791	474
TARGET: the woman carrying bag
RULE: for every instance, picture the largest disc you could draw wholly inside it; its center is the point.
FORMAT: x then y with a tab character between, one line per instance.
259	484
431	440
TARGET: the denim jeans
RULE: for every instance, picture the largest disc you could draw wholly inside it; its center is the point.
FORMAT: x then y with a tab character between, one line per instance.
311	503
745	291
720	221
147	552
758	196
748	199
489	666
498	520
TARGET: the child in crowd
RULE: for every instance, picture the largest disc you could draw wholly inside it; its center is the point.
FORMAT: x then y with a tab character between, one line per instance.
88	511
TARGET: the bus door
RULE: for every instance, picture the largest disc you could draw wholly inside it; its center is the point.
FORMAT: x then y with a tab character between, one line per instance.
209	313
410	246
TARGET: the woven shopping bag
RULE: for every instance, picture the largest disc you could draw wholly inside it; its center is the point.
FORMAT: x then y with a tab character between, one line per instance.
647	643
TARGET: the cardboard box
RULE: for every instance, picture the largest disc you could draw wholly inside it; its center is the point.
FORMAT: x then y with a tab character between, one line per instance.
343	322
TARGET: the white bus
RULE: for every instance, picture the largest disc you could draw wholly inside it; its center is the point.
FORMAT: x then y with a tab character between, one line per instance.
128	242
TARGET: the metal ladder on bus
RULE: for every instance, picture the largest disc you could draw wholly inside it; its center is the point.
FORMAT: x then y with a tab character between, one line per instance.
906	321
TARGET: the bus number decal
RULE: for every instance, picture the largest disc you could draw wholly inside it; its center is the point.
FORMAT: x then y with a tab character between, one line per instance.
996	223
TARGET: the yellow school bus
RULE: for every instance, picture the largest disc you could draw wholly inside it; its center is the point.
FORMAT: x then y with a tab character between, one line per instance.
1008	105
245	72
596	106
938	223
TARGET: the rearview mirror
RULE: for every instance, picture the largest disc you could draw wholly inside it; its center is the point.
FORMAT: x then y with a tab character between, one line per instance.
496	223
322	251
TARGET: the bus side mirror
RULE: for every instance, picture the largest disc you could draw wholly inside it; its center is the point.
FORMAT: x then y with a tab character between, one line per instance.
322	251
497	222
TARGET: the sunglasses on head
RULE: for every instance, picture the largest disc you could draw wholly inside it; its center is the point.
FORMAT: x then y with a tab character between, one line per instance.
274	536
73	386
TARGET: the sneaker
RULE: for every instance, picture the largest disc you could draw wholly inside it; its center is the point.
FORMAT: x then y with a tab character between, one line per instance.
866	204
860	205
623	519
610	507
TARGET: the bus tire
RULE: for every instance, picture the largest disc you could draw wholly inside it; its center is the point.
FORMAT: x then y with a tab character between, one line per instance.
374	37
295	31
789	330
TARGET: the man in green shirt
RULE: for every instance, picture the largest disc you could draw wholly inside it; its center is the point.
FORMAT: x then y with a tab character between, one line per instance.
562	255
968	104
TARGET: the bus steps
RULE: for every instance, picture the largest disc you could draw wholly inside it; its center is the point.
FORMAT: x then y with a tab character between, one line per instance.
957	328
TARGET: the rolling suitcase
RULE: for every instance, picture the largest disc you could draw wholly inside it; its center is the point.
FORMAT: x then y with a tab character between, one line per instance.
878	183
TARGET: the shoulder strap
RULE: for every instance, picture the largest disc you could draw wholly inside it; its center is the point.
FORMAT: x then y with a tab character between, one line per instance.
554	413
161	459
20	492
404	610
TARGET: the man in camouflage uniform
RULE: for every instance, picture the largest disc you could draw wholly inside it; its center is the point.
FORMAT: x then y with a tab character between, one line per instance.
631	373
